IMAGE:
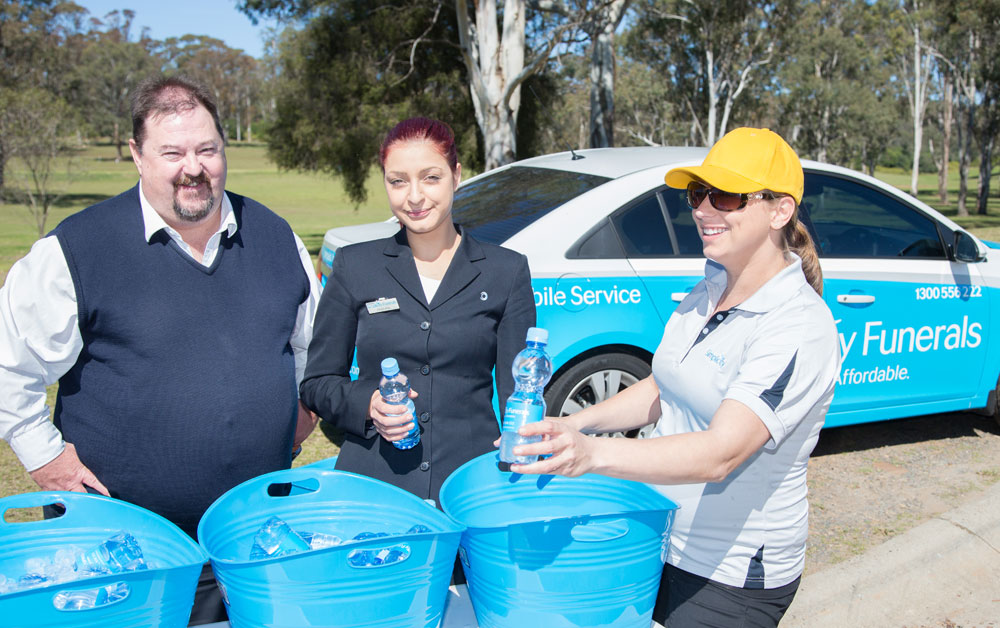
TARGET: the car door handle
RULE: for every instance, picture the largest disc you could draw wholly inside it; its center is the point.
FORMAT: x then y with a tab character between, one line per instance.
677	297
855	298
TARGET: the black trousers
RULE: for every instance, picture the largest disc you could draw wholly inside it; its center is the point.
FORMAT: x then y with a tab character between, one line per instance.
208	605
689	601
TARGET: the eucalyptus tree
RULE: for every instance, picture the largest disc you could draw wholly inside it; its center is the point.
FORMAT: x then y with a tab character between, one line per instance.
35	52
111	64
964	52
916	62
344	72
837	98
599	20
989	74
229	72
493	46
38	123
717	55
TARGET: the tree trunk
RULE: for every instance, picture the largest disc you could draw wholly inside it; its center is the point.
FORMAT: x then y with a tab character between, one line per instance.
918	98
495	61
947	114
823	140
918	140
117	139
965	156
602	90
602	74
713	96
985	170
917	109
249	120
239	127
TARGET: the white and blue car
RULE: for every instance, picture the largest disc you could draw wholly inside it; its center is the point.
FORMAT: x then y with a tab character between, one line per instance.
612	251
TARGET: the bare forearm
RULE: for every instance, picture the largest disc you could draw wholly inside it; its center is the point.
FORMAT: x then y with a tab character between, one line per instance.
734	435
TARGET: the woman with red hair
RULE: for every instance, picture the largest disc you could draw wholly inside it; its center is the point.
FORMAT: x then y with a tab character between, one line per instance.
449	308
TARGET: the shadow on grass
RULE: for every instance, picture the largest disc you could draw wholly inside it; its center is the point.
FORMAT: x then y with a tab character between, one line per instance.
866	436
14	195
75	200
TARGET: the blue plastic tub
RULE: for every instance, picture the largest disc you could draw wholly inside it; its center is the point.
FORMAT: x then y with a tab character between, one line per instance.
161	596
322	587
555	551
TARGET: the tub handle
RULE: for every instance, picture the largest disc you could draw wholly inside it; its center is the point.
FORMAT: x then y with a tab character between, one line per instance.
40	499
600	530
301	486
96	598
379	557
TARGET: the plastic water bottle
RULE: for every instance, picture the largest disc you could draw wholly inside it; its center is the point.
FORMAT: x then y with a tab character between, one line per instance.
119	553
276	538
532	369
90	598
79	600
369	557
395	389
319	540
31	580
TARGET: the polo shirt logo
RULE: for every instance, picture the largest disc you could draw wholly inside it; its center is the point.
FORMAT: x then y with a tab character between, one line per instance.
720	360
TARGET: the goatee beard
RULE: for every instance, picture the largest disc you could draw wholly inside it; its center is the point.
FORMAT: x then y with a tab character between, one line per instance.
192	215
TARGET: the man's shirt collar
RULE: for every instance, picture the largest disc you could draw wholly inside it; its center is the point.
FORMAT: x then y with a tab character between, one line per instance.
153	222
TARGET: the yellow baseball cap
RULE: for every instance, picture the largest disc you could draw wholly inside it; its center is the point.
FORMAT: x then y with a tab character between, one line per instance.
746	160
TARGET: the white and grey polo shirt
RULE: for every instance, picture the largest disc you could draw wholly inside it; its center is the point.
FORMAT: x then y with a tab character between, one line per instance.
777	353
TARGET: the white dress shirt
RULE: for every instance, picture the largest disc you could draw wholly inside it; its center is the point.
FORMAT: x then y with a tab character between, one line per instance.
40	340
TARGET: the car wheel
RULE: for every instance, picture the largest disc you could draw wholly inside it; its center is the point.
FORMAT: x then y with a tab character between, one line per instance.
993	406
592	381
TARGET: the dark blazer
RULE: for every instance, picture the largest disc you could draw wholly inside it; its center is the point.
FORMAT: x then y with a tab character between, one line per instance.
476	321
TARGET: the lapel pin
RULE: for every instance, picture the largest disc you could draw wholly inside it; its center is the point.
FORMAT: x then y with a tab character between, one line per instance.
483	296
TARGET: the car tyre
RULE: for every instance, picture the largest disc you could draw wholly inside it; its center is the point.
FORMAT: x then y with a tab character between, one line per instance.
593	380
994	408
993	405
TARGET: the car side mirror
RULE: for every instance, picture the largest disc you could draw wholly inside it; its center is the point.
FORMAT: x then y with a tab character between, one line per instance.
965	249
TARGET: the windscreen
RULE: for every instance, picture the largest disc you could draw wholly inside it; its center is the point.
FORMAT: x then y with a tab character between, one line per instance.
495	207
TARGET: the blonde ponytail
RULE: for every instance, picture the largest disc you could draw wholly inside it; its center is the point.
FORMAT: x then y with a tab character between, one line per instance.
797	240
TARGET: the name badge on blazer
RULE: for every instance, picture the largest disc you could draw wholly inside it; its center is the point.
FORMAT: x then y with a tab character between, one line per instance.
382	305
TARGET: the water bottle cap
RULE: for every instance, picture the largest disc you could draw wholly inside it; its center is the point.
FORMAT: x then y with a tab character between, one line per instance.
390	367
538	334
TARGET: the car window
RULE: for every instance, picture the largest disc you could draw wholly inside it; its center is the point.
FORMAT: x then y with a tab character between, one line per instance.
495	207
854	220
601	242
642	229
645	232
682	222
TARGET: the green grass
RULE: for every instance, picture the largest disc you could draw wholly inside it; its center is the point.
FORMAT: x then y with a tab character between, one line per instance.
984	226
312	203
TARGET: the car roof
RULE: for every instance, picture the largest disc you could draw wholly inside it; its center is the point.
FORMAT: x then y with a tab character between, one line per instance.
615	162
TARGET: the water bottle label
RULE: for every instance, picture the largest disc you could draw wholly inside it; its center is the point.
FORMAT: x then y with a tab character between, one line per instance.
520	412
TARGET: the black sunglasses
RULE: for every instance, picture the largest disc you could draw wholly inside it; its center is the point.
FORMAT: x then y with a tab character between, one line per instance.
722	201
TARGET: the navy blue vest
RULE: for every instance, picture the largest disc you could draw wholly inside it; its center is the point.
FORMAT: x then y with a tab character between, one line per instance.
186	383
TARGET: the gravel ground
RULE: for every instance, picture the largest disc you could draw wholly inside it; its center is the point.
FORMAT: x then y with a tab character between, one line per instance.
873	481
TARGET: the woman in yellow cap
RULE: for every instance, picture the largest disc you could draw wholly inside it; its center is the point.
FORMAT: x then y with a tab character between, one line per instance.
740	386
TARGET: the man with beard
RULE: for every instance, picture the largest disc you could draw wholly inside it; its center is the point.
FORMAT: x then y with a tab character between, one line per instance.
175	317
